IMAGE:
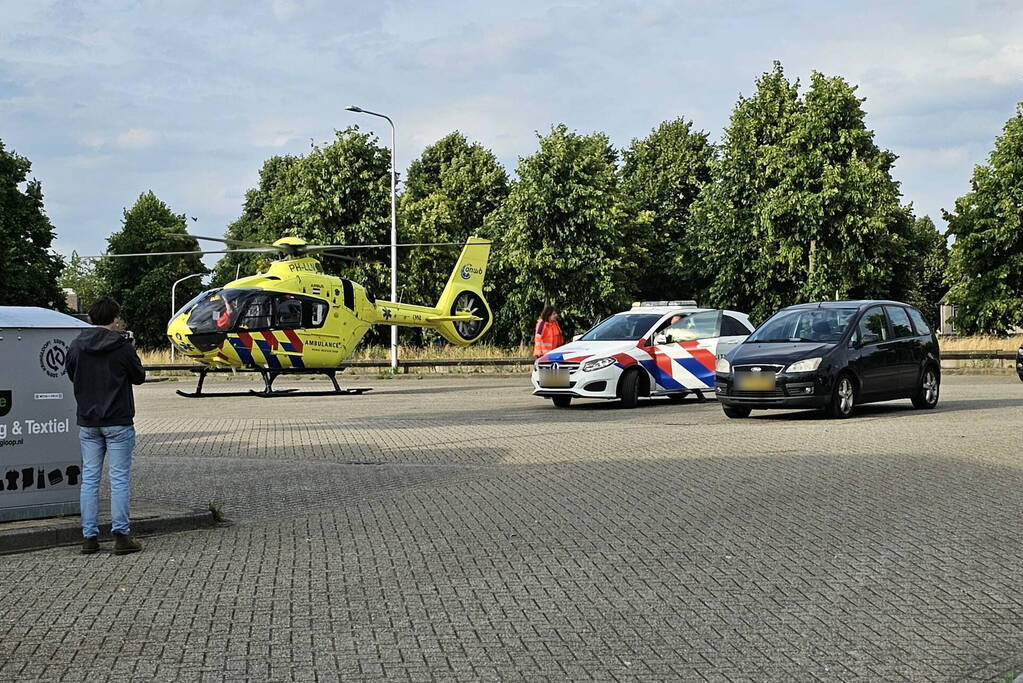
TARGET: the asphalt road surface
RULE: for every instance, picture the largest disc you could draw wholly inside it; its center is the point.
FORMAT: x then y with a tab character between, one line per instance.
457	528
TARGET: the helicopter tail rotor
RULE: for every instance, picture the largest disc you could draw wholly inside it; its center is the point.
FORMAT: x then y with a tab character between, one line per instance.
464	313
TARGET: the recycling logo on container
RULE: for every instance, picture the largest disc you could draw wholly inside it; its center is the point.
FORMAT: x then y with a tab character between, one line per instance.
52	357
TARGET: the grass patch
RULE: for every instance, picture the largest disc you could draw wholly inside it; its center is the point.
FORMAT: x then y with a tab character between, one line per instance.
216	512
981	342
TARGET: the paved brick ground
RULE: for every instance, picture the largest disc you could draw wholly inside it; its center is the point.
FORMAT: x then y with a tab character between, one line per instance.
457	528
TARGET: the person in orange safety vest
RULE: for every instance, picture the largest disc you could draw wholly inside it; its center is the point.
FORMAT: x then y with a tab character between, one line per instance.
547	335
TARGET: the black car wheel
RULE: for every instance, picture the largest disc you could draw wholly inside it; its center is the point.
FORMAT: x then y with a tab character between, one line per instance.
737	412
927	395
628	389
562	401
843	398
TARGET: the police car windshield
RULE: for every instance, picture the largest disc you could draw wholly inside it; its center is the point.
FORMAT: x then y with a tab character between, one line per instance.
825	325
622	327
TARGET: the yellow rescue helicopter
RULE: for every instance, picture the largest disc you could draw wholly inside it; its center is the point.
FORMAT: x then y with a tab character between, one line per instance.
296	319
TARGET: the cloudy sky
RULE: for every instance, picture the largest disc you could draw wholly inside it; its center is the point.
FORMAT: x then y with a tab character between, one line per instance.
109	99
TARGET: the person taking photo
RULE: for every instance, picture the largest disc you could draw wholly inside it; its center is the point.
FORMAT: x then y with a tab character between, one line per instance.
103	365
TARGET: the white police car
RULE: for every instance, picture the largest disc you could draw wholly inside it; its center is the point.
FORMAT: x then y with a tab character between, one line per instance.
659	348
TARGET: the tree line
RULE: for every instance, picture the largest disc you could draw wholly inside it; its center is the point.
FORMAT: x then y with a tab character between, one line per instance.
795	203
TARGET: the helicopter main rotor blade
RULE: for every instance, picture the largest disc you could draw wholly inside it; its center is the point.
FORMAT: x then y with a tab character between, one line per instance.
329	247
185	253
229	242
350	259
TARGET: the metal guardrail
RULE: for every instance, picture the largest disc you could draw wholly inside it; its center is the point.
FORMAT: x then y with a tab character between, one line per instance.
383	363
978	355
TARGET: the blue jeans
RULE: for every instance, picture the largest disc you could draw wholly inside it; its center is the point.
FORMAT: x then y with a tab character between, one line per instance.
115	443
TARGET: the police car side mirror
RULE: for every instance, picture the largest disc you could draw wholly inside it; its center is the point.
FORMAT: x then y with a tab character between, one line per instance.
661	339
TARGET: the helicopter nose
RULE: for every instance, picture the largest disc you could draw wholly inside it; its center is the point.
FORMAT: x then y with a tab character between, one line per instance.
177	333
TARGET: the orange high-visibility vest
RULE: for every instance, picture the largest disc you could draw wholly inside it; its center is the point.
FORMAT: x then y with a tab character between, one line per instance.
547	337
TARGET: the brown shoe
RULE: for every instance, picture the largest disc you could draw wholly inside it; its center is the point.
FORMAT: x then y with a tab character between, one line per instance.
124	544
90	545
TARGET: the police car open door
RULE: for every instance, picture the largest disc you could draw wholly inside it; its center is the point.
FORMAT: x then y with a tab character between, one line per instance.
691	344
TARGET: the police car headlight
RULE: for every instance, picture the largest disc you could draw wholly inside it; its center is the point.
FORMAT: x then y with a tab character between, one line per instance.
597	364
808	365
723	366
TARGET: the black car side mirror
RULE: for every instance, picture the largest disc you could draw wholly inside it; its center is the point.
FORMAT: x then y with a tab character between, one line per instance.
868	339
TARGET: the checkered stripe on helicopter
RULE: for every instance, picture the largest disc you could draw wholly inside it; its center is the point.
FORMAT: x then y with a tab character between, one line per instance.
249	346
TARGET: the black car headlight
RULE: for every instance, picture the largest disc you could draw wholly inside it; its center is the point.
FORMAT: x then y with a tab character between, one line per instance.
805	365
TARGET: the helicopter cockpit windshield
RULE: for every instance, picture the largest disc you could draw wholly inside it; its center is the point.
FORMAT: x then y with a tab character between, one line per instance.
241	309
218	310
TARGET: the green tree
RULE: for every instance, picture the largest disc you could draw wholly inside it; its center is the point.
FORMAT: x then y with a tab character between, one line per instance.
142	285
836	214
986	260
30	267
564	235
803	205
450	190
928	276
251	226
733	241
339	193
663	174
80	276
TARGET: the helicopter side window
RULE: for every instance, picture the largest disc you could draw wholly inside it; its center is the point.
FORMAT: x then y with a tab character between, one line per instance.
257	313
315	313
289	314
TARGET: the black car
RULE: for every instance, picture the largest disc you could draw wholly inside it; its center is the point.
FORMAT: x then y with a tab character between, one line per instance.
1019	363
832	356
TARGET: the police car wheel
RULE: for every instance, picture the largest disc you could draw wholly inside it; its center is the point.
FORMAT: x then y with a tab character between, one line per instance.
628	389
562	401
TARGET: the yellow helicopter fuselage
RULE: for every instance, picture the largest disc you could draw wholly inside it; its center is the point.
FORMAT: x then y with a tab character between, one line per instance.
295	316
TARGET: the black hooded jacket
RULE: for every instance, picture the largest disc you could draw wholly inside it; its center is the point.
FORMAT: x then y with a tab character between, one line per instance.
103	365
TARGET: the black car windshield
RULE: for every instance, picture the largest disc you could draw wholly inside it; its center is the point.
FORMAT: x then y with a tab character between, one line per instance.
622	327
825	325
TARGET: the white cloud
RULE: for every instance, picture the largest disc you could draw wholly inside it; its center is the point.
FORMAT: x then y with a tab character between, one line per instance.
135	138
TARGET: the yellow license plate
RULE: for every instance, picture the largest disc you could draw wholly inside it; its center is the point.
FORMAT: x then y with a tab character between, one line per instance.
754	381
554	379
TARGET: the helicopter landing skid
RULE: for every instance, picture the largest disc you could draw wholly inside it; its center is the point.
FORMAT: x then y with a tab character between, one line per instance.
269	392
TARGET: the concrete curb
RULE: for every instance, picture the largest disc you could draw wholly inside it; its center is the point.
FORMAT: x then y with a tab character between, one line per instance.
66	531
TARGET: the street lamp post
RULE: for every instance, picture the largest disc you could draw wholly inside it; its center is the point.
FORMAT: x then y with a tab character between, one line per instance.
174	308
394	235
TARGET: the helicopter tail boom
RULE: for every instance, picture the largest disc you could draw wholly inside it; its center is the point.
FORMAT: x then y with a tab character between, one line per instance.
462	314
